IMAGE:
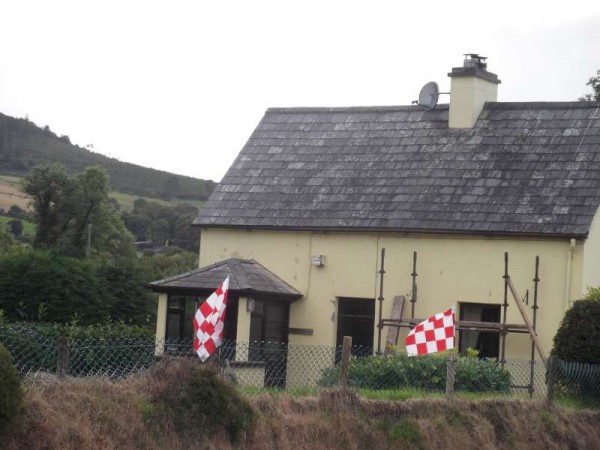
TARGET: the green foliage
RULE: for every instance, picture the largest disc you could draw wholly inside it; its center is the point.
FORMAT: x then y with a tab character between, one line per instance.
123	282
47	186
399	371
15	227
102	349
17	212
404	430
8	245
67	209
151	221
23	144
594	83
578	337
198	402
173	262
577	346
28	227
64	285
11	394
39	285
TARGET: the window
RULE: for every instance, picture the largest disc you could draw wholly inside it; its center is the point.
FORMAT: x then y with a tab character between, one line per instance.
486	342
268	323
356	318
180	313
181	310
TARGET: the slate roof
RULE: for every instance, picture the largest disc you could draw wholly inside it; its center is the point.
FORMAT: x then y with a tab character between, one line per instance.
524	168
247	277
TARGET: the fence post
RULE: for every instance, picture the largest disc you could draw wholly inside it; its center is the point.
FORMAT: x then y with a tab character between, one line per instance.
345	361
551	375
450	369
62	359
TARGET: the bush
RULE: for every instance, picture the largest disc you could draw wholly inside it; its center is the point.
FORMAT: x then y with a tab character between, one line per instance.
577	345
578	337
114	349
398	371
43	286
59	286
11	395
191	398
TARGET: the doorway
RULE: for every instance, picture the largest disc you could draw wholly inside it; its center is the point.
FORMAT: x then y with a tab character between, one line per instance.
356	318
487	343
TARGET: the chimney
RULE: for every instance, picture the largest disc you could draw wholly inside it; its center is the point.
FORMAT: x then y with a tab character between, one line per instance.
471	86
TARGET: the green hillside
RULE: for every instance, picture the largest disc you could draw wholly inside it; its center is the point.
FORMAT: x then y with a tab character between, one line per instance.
24	145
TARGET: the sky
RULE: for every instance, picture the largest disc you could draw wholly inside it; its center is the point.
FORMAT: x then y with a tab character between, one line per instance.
180	85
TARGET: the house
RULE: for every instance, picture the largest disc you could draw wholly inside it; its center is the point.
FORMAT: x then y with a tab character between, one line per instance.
302	215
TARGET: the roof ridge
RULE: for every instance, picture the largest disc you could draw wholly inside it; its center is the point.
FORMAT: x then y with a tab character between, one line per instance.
343	109
578	104
571	104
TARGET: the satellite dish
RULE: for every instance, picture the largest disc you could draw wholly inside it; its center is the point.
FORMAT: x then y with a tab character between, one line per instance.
428	97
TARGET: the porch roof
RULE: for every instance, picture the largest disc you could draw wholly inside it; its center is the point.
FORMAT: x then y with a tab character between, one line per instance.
247	277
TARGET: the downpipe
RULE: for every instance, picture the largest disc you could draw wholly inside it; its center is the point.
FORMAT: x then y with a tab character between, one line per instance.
568	273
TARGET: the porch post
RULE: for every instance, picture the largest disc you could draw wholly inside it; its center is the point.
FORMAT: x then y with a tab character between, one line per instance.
161	323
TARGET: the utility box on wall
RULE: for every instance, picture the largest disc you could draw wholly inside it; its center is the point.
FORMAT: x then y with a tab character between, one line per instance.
318	260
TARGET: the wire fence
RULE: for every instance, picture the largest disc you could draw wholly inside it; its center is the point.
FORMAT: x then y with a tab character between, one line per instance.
263	365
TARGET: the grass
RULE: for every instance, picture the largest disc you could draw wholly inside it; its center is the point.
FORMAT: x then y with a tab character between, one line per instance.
10	194
9	179
290	392
28	227
381	394
403	430
576	402
126	200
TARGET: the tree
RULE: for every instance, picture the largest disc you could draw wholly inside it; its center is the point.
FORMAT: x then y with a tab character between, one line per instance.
15	227
65	206
594	82
48	186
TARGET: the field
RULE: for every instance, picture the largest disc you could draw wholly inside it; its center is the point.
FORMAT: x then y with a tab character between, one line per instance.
11	195
126	200
28	227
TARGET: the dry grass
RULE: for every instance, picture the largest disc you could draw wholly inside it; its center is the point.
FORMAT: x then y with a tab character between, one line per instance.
98	414
10	194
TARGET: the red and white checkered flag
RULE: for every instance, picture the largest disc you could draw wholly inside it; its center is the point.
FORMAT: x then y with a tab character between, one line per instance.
435	334
209	322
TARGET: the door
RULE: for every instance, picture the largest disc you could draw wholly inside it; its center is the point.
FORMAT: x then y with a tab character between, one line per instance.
269	337
356	318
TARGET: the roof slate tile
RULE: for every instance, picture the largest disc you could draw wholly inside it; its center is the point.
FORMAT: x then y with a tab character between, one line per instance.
523	168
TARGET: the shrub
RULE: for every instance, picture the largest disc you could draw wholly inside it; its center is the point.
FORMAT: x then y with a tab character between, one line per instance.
196	402
43	286
11	395
578	337
107	348
398	371
577	345
62	286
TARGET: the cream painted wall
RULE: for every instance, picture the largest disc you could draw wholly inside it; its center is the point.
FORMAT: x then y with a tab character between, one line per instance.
467	98
161	323
591	257
451	270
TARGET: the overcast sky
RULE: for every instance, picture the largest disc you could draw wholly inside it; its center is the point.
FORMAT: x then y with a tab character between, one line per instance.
180	85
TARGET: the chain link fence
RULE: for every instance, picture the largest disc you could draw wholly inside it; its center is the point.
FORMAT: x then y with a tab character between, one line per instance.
270	365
